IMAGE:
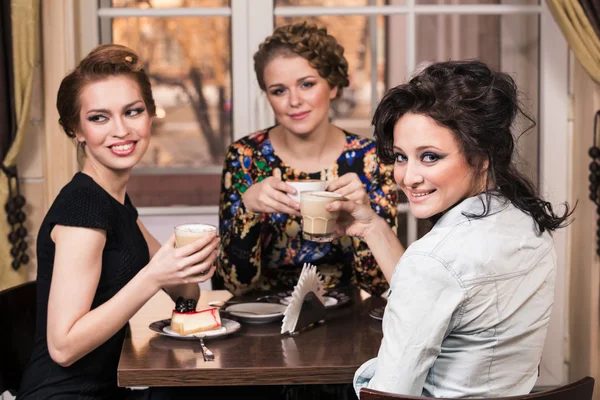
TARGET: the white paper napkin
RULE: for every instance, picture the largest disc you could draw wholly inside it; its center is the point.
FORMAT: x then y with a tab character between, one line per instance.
309	281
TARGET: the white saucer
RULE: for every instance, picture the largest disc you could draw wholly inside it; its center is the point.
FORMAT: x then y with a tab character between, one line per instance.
257	313
329	301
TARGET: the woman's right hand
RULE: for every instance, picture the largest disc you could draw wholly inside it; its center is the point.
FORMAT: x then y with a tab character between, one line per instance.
192	263
270	196
355	218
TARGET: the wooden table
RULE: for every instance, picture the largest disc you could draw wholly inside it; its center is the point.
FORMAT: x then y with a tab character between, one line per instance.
257	354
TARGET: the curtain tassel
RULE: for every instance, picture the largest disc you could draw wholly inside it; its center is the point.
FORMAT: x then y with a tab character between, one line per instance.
16	218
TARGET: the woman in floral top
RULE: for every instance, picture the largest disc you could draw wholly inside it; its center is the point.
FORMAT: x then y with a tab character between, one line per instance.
302	69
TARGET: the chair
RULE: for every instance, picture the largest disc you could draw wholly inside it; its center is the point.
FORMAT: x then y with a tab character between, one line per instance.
580	390
17	313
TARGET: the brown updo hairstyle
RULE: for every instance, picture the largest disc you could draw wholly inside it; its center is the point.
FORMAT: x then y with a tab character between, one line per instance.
320	49
104	61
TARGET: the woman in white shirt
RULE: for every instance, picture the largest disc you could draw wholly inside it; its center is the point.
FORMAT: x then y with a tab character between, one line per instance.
469	303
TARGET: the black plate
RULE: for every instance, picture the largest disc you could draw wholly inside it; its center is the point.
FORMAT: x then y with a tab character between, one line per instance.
342	298
377	313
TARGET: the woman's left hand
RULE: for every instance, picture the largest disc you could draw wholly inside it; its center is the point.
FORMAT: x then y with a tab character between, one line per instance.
350	186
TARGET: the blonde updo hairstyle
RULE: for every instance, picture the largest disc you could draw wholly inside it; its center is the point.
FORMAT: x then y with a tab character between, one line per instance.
105	61
320	49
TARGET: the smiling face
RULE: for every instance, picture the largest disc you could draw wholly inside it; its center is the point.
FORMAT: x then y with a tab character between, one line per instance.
299	96
430	167
114	124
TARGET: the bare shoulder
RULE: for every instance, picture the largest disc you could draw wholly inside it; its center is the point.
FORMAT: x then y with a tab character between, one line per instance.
78	238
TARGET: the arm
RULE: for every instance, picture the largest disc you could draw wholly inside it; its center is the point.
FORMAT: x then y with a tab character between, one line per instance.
384	245
423	308
239	254
187	291
74	329
372	222
383	195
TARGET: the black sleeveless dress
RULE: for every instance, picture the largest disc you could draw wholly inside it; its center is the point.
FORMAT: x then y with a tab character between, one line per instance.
83	203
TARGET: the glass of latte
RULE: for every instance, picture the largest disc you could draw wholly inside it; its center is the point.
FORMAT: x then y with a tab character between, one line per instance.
188	233
317	222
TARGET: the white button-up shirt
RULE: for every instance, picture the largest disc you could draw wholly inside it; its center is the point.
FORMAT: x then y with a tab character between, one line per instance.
468	308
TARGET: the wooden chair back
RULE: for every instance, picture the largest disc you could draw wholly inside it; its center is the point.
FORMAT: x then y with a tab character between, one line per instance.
17	313
580	390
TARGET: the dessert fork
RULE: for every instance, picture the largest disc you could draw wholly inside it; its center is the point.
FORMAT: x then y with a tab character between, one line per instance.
206	353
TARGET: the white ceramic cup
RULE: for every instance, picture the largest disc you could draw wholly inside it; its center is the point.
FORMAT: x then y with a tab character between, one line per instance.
306	185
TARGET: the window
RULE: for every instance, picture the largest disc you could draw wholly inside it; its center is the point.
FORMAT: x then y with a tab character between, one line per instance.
188	60
187	45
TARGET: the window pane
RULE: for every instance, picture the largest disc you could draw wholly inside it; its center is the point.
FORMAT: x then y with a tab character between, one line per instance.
508	43
189	63
353	111
169	3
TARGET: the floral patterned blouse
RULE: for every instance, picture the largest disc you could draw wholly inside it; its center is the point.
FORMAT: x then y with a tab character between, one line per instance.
266	251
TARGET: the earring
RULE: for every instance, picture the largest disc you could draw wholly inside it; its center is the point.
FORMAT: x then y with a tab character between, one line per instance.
594	153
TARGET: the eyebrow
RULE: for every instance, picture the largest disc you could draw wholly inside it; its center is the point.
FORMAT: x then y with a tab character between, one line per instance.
420	148
106	111
297	80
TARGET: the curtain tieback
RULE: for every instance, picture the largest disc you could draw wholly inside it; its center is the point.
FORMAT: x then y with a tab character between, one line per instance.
15	217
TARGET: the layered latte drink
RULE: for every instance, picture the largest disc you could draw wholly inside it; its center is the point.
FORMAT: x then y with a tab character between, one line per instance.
317	222
188	233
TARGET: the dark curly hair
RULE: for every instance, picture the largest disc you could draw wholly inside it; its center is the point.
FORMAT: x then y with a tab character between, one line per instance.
322	51
102	62
479	106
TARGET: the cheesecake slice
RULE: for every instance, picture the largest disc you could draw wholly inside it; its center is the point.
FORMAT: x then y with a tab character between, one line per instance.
188	322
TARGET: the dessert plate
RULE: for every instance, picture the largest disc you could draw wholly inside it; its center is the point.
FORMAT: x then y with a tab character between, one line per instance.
329	301
163	327
257	313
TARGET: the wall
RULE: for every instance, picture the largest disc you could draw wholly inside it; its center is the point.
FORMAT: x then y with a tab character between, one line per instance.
47	159
584	275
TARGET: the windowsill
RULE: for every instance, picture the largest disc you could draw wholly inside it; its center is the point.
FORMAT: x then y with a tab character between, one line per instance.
205	210
191	170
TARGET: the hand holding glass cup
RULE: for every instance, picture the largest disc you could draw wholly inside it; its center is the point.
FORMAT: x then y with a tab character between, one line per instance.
317	222
189	233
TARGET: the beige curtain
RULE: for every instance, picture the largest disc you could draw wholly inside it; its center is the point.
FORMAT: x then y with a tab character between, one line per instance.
580	34
25	18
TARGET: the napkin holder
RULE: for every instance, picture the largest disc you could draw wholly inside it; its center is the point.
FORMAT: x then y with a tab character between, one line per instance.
311	312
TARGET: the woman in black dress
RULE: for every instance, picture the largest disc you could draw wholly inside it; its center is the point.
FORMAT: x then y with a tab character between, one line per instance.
97	264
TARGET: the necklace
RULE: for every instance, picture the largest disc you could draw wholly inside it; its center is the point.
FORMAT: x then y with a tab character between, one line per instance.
594	152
